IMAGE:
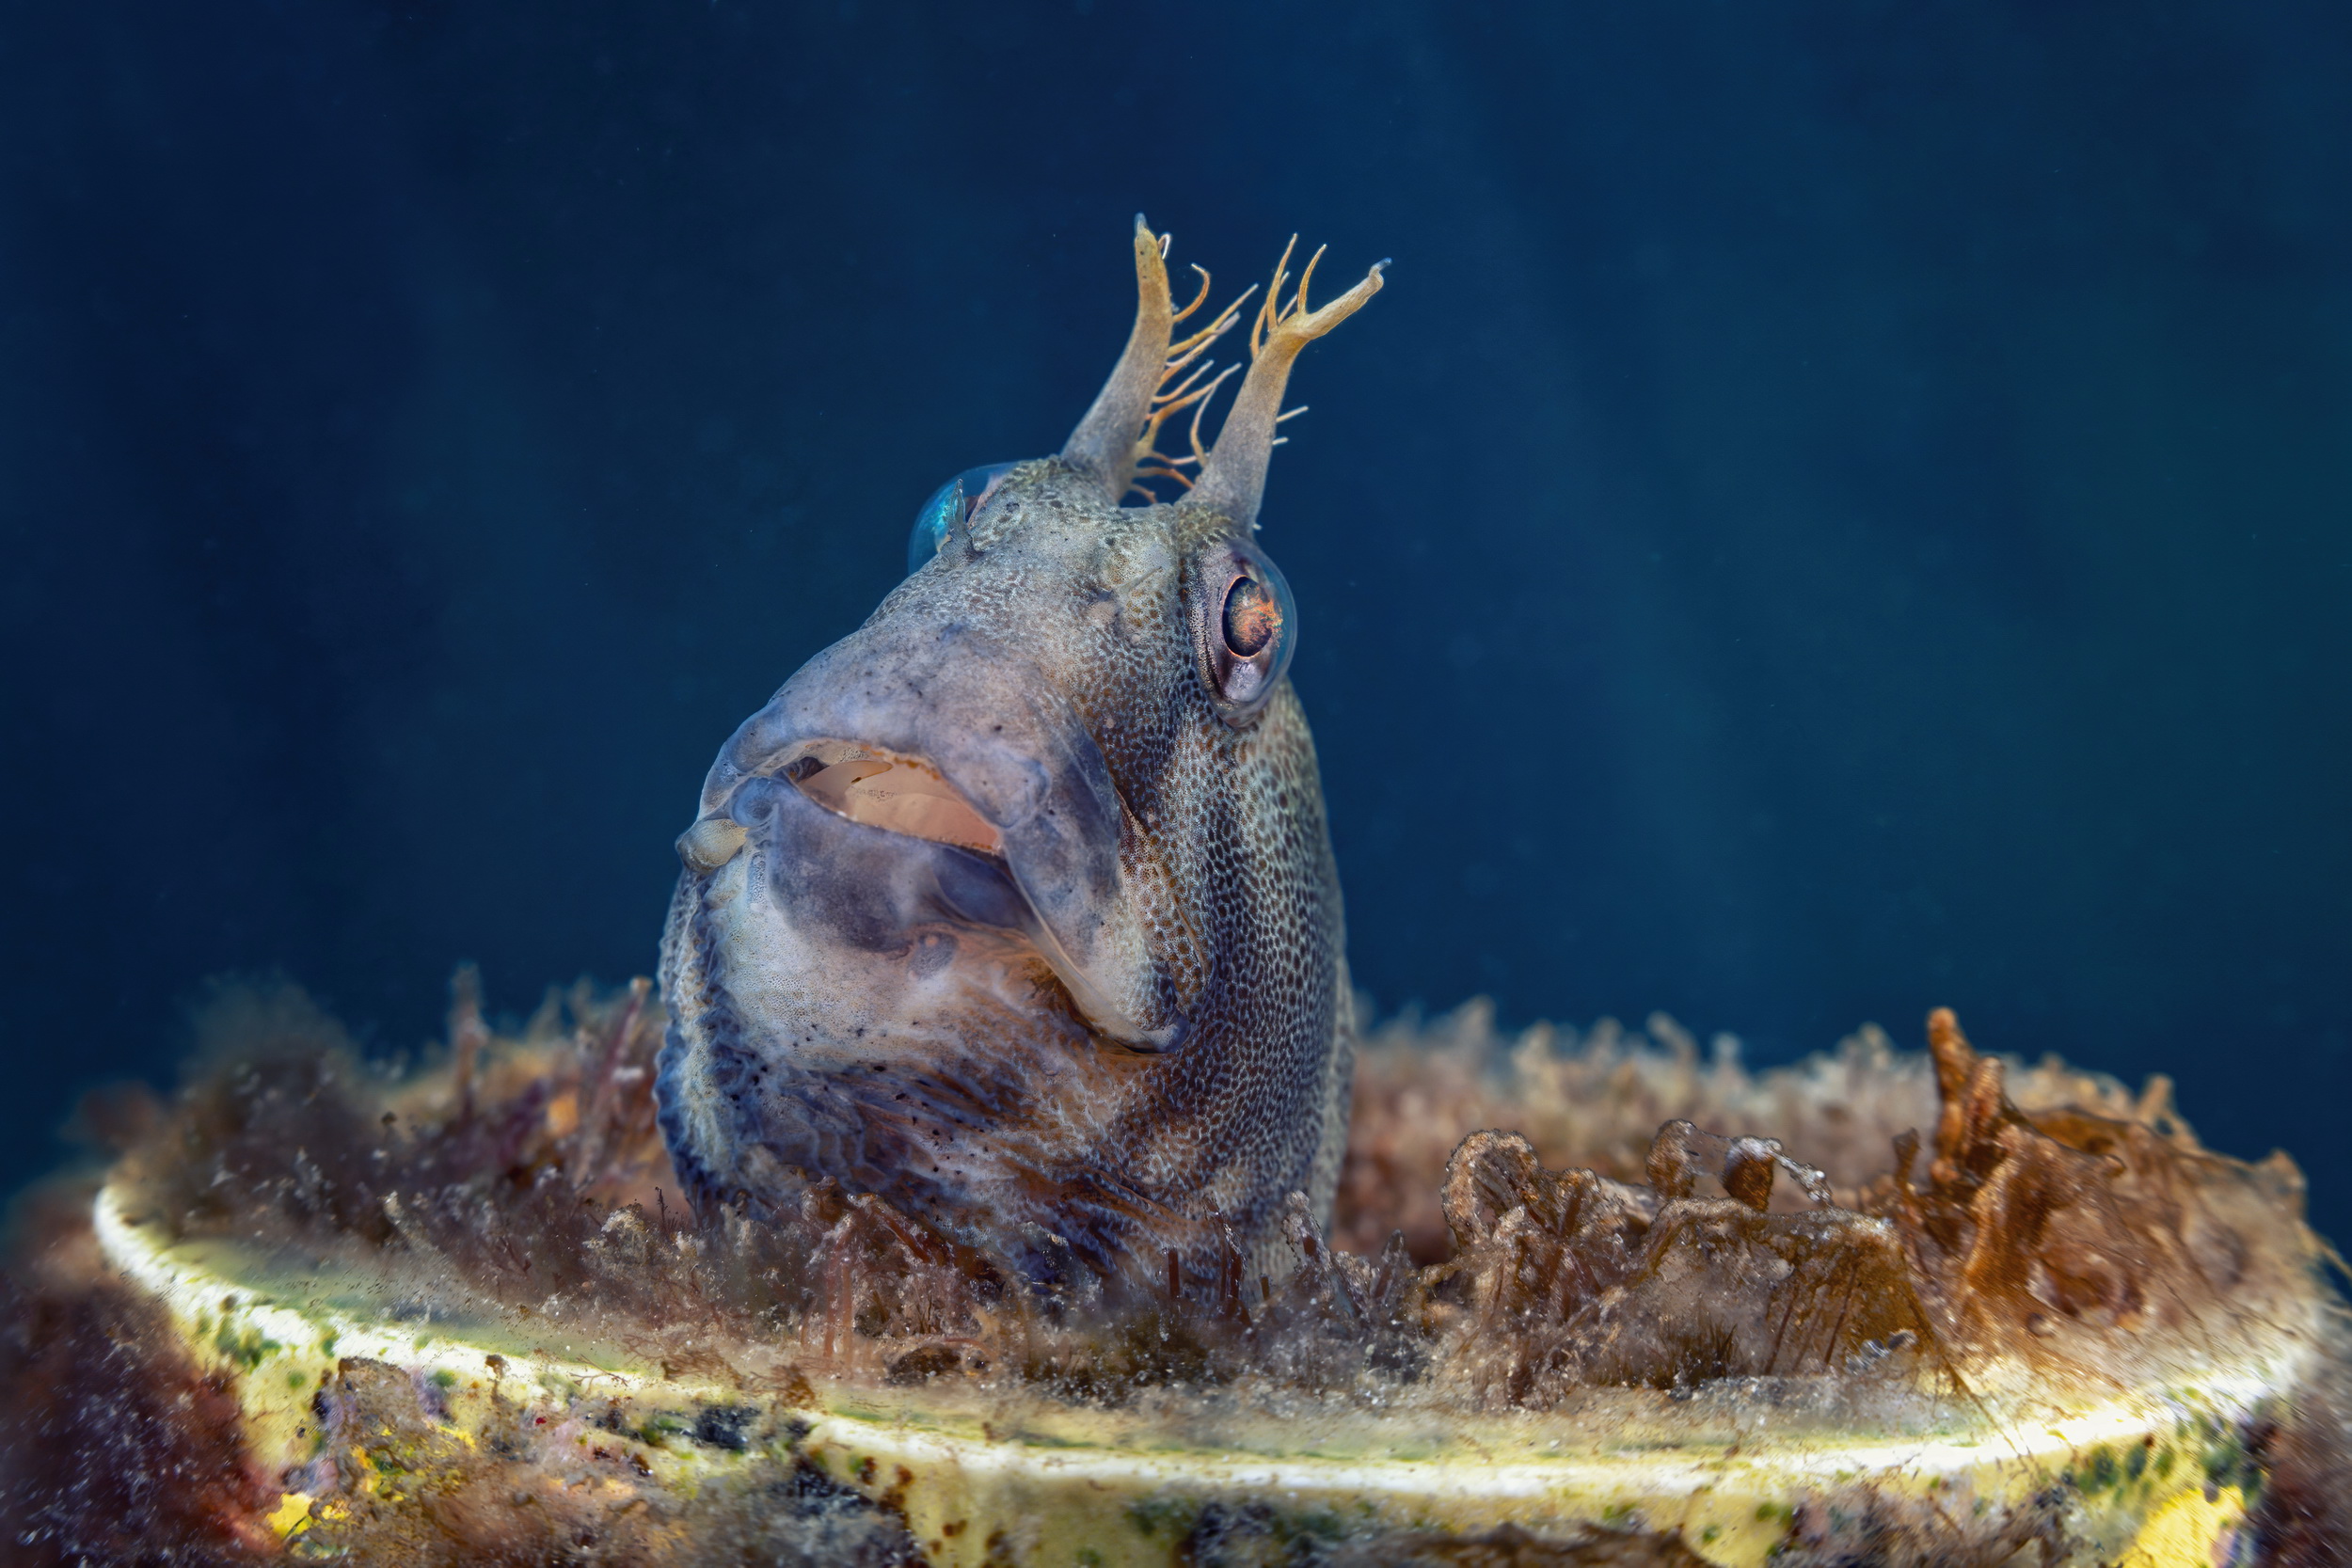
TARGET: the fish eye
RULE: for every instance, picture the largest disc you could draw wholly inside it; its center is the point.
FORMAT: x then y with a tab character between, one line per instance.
1253	617
948	510
1244	623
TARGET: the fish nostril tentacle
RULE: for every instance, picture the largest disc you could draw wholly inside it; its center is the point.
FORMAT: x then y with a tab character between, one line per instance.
711	843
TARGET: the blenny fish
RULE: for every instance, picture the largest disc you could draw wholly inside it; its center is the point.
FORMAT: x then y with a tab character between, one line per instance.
1016	908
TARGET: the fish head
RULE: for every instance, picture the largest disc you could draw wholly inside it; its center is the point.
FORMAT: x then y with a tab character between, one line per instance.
1016	906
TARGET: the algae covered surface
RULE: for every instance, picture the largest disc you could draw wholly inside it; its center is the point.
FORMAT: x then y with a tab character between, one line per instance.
1597	1298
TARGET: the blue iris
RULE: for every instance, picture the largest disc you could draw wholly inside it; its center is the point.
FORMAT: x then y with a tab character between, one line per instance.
949	505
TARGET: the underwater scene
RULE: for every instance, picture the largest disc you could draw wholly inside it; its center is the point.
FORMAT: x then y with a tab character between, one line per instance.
1490	785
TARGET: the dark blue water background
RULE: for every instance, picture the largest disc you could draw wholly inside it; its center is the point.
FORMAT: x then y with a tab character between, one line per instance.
1842	508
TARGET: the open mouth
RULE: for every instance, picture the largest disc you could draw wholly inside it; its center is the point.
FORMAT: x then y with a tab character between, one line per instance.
908	795
890	790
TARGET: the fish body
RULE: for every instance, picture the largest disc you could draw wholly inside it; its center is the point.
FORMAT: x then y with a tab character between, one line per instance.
1016	908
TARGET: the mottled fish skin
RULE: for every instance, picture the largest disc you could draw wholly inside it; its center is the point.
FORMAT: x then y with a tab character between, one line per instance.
1130	1035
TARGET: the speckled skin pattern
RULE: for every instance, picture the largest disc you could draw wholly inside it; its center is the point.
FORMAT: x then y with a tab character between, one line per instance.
1129	1036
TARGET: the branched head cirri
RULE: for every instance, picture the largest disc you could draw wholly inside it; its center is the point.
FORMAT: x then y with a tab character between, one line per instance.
1016	908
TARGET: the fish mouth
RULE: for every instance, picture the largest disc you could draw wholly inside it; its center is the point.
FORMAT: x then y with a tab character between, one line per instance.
975	876
891	791
930	775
